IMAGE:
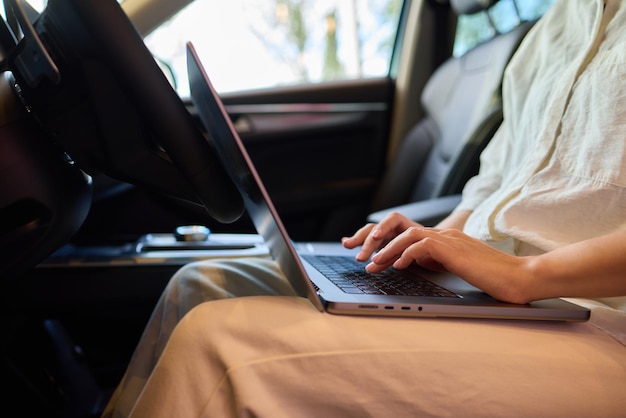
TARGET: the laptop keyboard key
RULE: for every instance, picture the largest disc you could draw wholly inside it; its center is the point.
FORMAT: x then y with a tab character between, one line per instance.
350	276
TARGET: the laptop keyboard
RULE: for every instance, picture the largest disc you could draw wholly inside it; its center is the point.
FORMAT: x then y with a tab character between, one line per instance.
351	277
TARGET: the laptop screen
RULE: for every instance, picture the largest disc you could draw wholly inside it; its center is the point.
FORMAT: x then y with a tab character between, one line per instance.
240	167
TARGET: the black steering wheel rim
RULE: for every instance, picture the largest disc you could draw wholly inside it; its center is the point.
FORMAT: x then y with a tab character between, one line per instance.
113	109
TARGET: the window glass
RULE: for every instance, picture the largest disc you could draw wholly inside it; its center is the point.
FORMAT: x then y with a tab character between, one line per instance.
249	44
38	5
503	16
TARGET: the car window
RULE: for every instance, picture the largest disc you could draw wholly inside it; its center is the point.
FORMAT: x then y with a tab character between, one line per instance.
503	16
38	5
249	44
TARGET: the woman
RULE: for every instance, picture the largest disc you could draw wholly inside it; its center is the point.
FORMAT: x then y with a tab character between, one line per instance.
547	211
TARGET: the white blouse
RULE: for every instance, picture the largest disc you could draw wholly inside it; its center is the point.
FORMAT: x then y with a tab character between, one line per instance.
555	172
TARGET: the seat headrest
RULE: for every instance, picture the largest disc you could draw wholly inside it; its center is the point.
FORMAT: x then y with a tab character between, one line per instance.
467	7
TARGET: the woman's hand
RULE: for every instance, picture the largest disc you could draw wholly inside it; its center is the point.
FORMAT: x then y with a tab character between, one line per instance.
373	237
503	276
401	242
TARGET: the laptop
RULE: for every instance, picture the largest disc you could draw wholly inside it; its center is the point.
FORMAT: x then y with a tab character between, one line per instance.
412	292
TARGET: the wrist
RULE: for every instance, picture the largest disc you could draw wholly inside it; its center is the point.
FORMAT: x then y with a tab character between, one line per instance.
540	277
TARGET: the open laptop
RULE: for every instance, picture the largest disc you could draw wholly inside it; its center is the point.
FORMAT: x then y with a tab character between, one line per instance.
336	290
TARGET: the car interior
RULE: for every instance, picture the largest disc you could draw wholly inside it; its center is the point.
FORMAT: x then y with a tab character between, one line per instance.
104	165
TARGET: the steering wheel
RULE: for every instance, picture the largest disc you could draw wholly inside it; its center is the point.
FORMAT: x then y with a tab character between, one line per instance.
84	72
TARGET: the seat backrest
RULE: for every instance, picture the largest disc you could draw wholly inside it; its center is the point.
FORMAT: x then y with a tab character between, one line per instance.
462	103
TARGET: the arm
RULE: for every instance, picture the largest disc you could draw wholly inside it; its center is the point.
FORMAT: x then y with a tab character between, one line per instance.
592	268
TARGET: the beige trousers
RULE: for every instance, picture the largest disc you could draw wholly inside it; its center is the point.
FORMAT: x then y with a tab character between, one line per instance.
276	356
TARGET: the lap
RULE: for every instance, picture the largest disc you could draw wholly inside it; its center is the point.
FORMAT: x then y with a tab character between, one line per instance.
278	356
225	278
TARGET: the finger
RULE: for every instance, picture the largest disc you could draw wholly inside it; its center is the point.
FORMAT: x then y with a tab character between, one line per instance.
430	252
374	241
407	249
397	222
388	255
373	237
368	237
374	267
358	238
398	245
382	233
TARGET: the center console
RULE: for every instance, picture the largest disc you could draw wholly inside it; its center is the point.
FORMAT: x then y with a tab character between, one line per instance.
131	275
159	249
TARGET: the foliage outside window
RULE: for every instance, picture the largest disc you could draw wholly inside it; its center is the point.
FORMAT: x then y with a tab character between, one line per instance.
248	44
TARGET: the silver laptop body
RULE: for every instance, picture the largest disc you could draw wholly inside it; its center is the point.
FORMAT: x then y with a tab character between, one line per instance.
460	299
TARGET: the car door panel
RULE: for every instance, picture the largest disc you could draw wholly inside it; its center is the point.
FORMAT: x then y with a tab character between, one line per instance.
319	150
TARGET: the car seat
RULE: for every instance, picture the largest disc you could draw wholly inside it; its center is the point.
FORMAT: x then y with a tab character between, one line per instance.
463	106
